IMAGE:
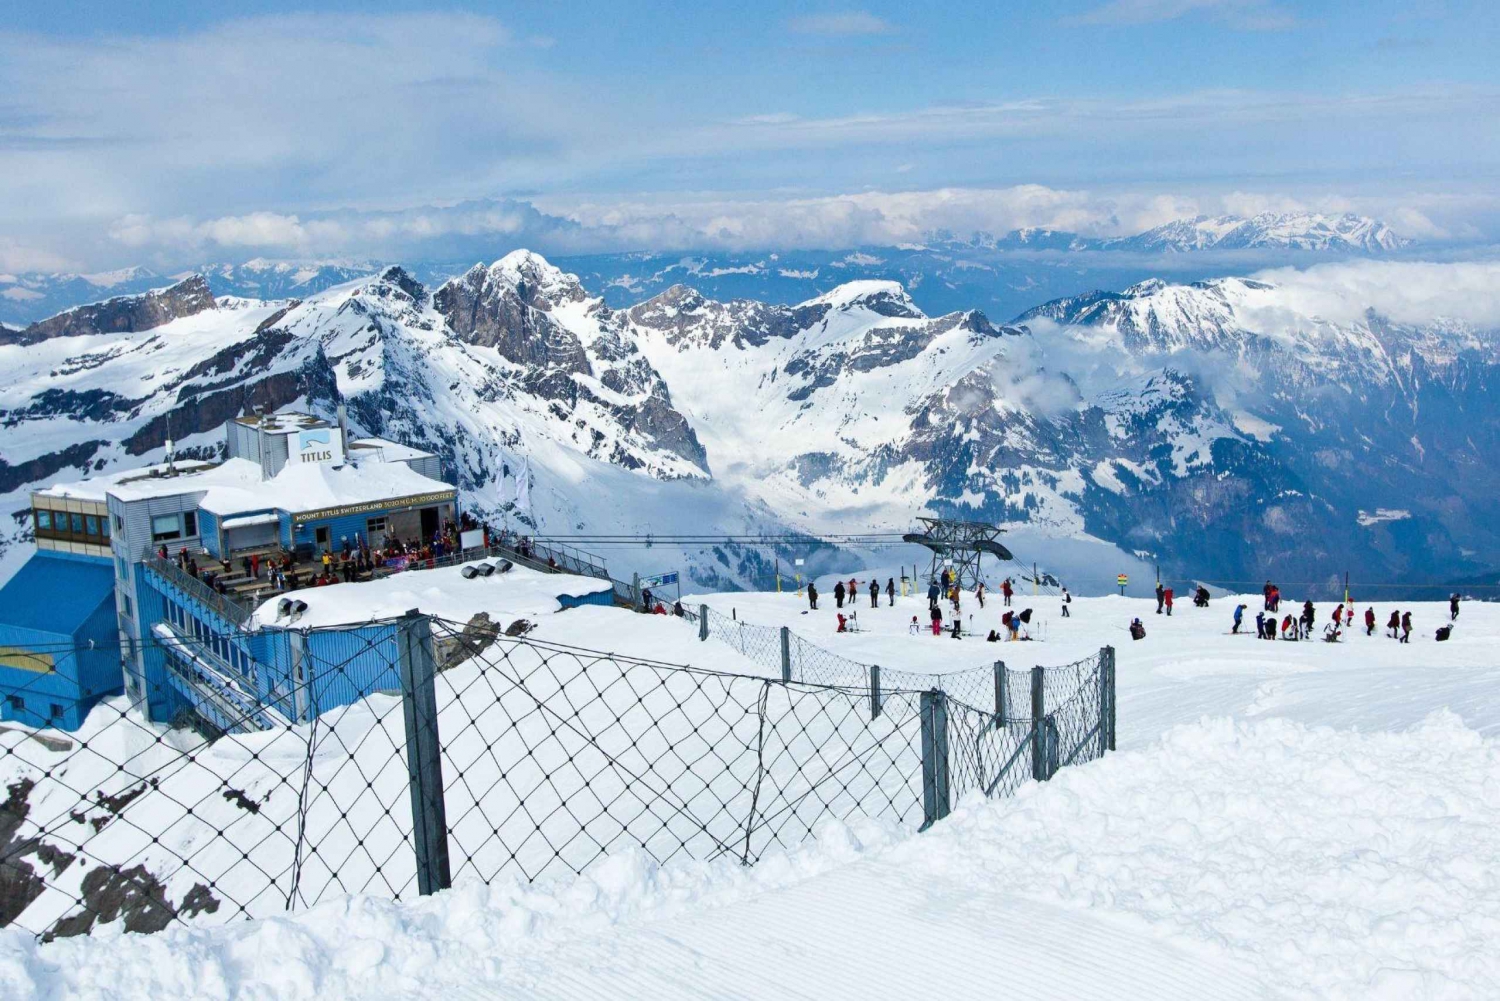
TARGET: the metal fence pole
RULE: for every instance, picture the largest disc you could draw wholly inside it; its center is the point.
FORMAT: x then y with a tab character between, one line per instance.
424	757
1103	700
635	591
1110	661
874	691
1002	697
786	653
1038	729
935	803
703	622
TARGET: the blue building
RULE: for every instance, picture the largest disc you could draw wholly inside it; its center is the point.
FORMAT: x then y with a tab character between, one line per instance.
59	644
98	609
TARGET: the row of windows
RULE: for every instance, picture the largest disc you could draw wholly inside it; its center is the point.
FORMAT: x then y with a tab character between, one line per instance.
71	525
221	645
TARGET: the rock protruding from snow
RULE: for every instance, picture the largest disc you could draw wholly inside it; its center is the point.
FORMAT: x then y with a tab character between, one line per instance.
124	314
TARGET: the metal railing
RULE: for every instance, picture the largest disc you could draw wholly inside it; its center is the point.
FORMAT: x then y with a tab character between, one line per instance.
225	606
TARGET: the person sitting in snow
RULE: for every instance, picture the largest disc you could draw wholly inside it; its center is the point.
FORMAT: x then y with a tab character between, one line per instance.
843	623
1137	631
993	637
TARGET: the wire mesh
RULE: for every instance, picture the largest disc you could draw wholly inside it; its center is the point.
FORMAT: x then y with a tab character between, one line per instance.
287	781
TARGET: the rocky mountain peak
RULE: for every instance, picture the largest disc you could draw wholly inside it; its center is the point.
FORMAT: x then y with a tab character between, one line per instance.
122	314
887	298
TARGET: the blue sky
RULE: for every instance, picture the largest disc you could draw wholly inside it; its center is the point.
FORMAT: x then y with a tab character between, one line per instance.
169	132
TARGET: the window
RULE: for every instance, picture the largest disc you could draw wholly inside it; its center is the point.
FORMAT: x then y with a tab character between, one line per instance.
104	527
120	570
166	526
189	523
119	524
77	523
56	711
16	702
44	519
125	604
90	524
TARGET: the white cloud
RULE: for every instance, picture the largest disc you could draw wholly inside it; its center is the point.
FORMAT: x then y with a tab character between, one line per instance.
15	257
854	22
1406	292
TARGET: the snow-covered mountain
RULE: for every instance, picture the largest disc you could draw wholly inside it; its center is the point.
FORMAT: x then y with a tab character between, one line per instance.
1213	424
1313	231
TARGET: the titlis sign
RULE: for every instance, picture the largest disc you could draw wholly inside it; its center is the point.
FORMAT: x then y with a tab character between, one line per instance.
315	445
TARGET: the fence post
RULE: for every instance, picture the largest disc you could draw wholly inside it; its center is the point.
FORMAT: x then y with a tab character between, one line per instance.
1110	660
1002	697
635	591
703	622
935	802
1038	728
786	653
1103	700
874	691
424	758
297	641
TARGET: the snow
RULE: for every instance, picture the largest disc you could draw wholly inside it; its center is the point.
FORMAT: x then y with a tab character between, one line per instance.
1381	515
520	593
1302	820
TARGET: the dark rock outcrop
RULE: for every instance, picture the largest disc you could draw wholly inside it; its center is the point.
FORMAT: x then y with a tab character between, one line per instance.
120	315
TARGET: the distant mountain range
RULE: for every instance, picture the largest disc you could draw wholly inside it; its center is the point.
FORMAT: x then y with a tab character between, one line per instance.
1001	274
1214	425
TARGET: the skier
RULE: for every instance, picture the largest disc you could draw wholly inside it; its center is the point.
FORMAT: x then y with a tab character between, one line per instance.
1260	625
1453	607
890	591
957	630
937	619
1166	597
979	593
1369	622
1006	591
1067	599
838	594
1394	625
812	596
1161	596
874	593
1239	616
1406	627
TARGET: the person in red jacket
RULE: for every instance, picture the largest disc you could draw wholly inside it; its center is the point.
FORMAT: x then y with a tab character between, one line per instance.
1006	591
1369	622
1166	600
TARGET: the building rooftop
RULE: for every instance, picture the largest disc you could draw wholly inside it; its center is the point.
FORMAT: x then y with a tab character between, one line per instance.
389	451
520	594
283	422
95	487
235	485
55	594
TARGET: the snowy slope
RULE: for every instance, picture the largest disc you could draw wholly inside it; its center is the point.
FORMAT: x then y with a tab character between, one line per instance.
1297	820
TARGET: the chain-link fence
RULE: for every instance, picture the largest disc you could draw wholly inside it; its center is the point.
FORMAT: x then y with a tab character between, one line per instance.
481	755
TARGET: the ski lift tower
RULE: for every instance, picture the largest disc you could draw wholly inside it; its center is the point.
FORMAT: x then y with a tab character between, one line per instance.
963	543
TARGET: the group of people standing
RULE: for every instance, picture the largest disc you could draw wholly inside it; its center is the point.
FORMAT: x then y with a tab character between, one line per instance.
1398	626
